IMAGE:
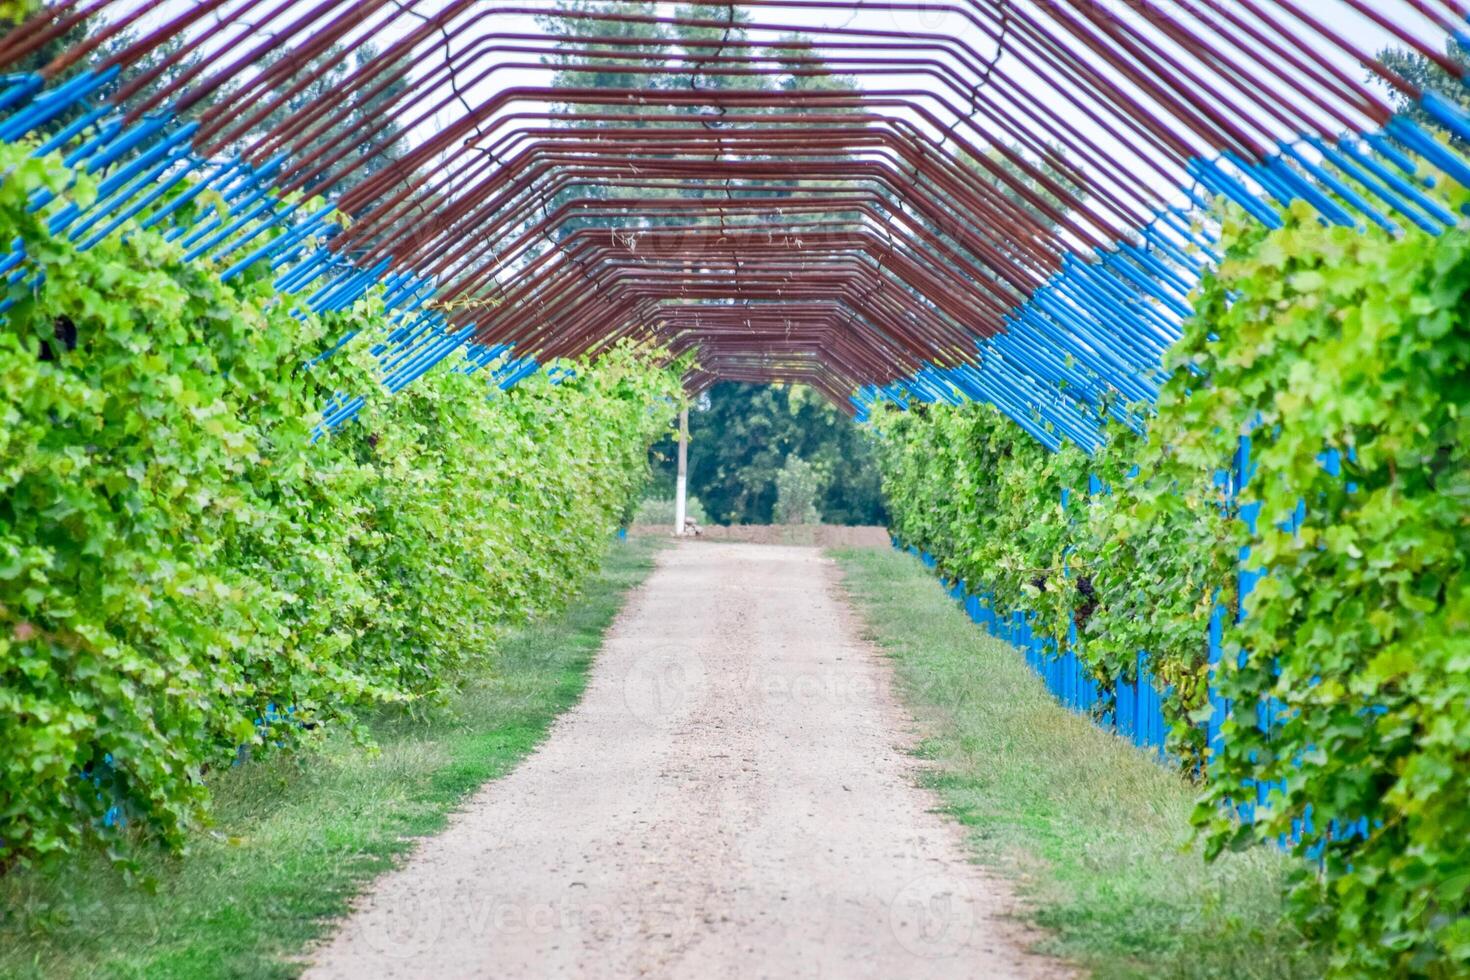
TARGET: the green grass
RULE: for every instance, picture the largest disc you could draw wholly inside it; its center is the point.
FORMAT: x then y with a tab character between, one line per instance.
295	838
1095	831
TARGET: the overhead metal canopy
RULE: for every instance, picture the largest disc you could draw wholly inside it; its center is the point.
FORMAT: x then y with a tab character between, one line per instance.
1007	209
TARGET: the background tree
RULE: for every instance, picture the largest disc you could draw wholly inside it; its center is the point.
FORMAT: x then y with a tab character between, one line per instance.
1428	75
742	434
798	486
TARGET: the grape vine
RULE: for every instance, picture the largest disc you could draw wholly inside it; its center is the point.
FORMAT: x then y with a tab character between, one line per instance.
1344	355
183	573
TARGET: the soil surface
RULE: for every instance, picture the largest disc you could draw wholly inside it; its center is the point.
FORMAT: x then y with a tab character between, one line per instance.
820	535
733	797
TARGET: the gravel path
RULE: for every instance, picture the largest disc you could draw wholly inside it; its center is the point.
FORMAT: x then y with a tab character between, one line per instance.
730	799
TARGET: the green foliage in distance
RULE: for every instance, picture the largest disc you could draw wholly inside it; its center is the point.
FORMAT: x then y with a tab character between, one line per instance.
799	486
739	437
1308	338
184	576
660	511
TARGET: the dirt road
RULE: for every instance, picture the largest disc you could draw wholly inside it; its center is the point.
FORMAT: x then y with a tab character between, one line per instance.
731	799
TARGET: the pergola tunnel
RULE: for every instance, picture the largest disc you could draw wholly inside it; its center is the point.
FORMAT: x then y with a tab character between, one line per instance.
336	335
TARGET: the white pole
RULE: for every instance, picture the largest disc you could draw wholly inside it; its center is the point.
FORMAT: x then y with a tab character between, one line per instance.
679	487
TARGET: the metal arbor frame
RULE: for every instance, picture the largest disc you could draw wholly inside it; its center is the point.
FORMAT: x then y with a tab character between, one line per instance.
874	210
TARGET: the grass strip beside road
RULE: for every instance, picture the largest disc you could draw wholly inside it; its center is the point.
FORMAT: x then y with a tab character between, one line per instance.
296	837
1095	830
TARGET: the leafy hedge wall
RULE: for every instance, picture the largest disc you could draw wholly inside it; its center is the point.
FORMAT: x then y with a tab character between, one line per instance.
1356	643
183	573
